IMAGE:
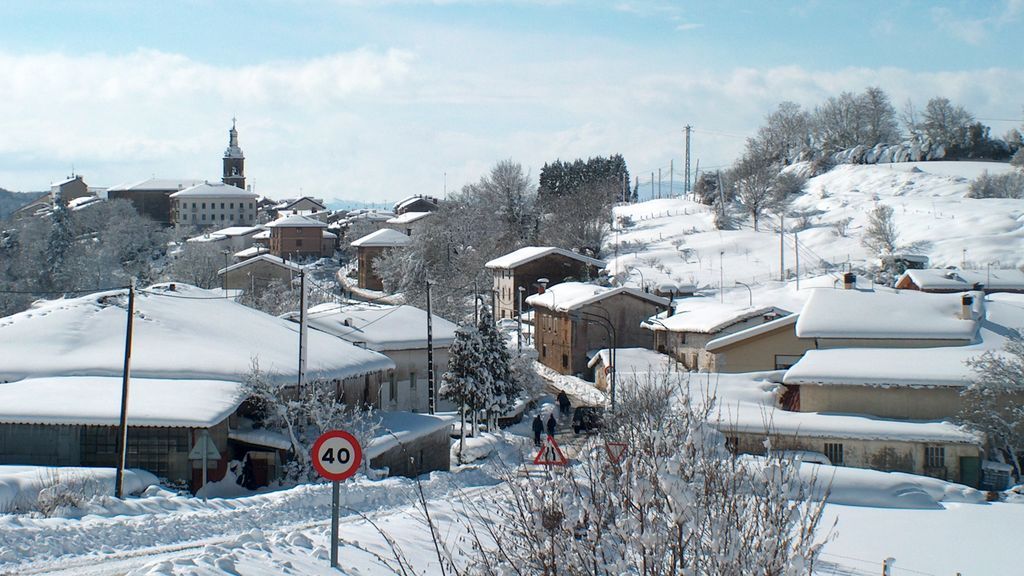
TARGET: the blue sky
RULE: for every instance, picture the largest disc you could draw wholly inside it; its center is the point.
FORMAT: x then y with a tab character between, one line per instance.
376	100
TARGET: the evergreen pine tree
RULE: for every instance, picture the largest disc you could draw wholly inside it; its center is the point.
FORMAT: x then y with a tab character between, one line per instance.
58	244
467	380
498	362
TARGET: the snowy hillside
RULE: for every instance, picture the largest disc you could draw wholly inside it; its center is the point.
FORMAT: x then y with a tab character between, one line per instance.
675	240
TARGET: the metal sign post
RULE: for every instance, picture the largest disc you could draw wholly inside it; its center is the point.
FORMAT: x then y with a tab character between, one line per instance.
204	450
336	457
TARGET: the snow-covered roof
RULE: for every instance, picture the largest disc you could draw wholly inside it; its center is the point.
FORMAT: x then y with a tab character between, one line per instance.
885	367
723	341
261	235
746	403
383	238
574	295
237	230
905	314
96	400
413	199
186	334
630	360
214	190
296	221
962	280
67	180
156	185
210	237
398	428
704	316
251	251
288	203
330	235
381	327
408	217
531	253
268	258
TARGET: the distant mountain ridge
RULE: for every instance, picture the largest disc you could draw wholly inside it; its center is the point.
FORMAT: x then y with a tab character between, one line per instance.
11	201
341	204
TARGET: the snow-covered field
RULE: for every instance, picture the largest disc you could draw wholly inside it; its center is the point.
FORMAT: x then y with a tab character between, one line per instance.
674	240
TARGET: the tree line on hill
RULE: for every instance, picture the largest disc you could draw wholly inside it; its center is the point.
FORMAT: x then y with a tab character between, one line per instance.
569	207
851	128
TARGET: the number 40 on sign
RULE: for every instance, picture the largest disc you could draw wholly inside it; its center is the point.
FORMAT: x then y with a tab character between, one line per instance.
336	457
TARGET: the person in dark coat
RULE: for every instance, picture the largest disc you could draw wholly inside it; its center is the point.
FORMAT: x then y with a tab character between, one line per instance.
563	403
552	424
538	427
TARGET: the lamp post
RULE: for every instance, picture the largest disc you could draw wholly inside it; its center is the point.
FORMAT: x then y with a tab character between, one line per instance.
224	276
609	327
643	283
750	293
519	318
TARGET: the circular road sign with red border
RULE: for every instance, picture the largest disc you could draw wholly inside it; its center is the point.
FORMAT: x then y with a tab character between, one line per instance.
337	455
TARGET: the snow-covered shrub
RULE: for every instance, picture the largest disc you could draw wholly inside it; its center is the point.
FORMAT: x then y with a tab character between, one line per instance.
625	222
991	403
301	415
842	226
62	492
1008	185
1018	159
678	503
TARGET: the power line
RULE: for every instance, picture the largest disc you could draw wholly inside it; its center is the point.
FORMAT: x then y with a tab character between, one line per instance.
79	291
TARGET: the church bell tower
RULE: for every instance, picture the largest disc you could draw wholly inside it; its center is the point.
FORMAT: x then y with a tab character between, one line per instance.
234	161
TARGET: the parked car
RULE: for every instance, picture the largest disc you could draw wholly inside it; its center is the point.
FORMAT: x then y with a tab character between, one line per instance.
587	419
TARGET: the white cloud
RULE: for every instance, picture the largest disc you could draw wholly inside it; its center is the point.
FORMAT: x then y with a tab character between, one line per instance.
688	26
380	124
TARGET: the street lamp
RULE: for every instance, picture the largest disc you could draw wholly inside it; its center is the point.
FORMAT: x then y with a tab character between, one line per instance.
750	293
519	318
643	283
609	327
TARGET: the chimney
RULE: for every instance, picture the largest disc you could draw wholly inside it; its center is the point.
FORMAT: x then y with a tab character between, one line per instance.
542	285
171	287
849	281
966	305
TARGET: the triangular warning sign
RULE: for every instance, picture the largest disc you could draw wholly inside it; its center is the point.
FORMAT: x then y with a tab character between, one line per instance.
616	450
550	454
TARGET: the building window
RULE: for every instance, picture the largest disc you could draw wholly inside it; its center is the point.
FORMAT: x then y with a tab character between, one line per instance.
393	387
298	242
204	205
221	205
232	206
565	360
834	452
544	350
204	216
934	457
412	380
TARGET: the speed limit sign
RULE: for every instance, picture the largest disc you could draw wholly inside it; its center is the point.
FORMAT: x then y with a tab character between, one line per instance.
337	455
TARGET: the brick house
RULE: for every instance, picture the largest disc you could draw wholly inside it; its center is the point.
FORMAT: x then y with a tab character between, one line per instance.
572	319
524	267
373	246
298	236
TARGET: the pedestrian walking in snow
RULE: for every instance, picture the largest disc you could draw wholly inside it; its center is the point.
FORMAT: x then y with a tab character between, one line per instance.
552	424
563	403
538	427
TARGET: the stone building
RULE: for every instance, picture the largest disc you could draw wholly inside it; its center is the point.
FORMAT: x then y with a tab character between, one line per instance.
524	267
213	204
297	236
373	246
151	197
572	318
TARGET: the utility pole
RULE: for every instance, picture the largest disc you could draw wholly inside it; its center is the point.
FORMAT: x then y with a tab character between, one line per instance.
696	174
782	248
494	303
721	195
721	274
672	178
652	184
659	183
688	129
636	186
122	430
302	330
796	252
431	395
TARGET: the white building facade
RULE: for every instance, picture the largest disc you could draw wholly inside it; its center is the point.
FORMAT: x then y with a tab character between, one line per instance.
213	204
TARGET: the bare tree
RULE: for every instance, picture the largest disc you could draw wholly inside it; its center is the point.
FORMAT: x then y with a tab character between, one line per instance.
755	183
992	401
946	123
302	415
197	263
879	116
880	235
